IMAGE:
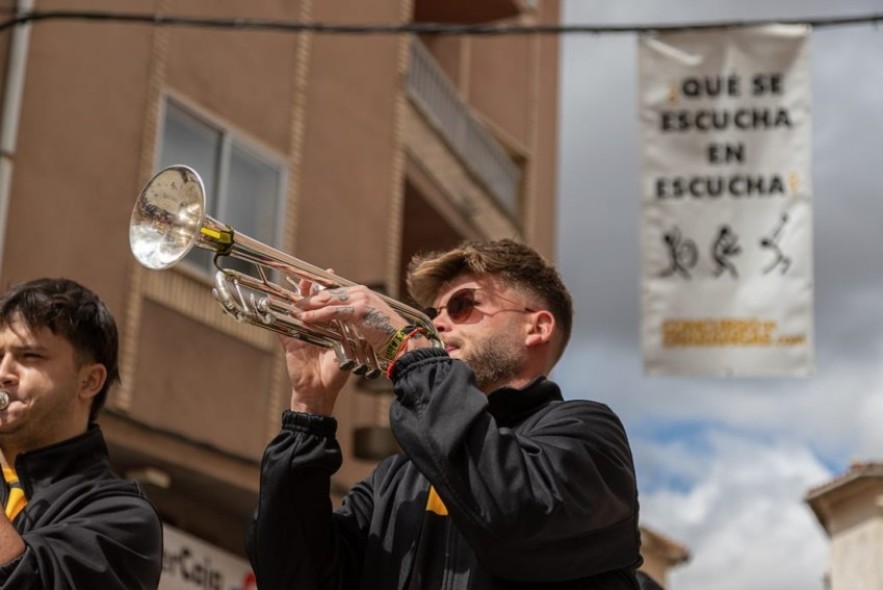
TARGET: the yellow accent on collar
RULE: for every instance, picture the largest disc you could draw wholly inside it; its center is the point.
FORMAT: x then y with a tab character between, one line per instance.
435	504
16	501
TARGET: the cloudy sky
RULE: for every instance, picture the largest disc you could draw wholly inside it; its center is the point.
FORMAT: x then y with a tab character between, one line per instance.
724	464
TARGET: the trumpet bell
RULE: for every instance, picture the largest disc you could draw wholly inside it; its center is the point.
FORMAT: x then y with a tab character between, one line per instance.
167	218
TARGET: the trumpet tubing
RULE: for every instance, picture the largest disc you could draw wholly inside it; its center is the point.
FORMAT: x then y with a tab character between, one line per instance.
169	219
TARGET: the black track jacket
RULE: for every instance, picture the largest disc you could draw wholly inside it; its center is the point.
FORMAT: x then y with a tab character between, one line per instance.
540	493
83	527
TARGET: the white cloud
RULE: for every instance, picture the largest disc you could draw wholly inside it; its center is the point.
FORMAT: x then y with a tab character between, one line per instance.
869	447
744	519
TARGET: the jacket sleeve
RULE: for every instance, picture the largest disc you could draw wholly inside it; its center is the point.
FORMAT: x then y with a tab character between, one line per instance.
113	543
554	498
295	541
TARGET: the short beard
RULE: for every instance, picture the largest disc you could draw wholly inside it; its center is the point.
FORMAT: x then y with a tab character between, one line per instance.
494	363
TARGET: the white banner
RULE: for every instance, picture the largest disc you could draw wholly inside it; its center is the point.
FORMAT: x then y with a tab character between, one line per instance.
192	564
726	225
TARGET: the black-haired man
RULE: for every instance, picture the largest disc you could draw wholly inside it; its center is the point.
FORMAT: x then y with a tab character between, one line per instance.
67	521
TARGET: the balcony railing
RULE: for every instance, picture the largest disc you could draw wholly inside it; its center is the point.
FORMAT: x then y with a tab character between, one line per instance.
437	99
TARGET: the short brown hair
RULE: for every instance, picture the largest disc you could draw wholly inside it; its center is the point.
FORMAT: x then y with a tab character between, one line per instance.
73	312
517	265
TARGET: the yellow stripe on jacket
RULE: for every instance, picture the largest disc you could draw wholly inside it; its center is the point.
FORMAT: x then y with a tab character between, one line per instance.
435	504
16	501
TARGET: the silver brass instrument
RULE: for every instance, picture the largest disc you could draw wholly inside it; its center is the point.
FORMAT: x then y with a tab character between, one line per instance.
169	219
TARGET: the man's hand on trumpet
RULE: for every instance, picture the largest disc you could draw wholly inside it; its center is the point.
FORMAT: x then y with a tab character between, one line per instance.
316	378
357	306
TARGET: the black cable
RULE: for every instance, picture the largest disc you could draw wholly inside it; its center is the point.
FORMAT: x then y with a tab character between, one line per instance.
422	28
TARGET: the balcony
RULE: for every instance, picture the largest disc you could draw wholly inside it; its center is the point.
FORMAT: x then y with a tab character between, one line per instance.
438	101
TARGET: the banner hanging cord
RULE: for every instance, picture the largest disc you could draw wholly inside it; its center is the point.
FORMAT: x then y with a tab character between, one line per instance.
488	29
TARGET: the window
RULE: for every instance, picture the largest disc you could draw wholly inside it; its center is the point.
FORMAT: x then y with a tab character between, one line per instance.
243	188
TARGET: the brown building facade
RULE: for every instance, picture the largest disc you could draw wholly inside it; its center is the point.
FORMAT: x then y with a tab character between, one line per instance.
350	151
850	509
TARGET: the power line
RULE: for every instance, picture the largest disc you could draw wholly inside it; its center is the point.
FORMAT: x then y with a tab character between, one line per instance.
488	29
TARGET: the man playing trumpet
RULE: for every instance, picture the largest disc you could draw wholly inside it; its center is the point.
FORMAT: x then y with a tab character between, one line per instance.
501	483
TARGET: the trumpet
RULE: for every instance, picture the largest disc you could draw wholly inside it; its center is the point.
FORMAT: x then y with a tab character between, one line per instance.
169	219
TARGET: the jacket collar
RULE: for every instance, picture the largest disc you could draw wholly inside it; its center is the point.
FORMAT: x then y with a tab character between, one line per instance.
509	404
41	467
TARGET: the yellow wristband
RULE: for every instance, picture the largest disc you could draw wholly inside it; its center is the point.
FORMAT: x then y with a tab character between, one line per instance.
415	333
392	347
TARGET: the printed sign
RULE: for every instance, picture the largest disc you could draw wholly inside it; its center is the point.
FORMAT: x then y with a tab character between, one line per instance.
192	564
726	224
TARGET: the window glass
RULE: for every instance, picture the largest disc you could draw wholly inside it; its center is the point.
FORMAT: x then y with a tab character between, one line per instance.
252	196
190	142
242	189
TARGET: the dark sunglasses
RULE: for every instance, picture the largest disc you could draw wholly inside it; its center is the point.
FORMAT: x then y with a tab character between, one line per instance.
461	304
